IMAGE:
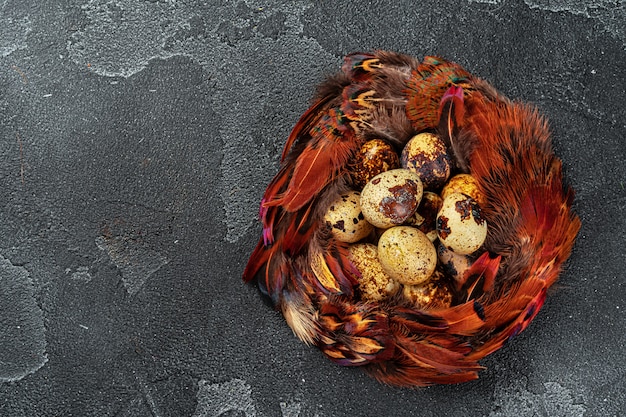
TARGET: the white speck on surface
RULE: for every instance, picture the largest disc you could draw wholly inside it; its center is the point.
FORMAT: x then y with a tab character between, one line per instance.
216	399
135	261
23	343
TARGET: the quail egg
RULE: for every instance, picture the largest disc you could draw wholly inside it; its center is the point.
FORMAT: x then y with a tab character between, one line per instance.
466	184
391	197
426	215
460	225
426	155
407	255
453	264
374	157
374	283
345	219
432	294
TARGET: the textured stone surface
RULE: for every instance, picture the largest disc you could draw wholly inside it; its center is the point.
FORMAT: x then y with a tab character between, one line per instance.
137	138
23	343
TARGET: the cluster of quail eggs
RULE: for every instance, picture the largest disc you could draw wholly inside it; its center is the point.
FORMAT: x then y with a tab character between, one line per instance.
413	229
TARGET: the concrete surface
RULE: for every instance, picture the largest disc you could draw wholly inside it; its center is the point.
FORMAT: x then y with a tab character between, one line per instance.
137	138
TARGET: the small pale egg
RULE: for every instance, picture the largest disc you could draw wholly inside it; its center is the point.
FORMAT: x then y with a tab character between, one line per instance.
425	217
407	255
345	219
460	226
432	294
391	197
426	155
453	264
374	157
466	184
374	283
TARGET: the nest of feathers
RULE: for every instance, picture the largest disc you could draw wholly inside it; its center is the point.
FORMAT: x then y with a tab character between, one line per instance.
416	222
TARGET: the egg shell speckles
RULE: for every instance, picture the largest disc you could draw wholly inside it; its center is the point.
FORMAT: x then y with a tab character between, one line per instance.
433	294
460	226
345	219
426	155
407	255
453	264
425	217
391	197
465	184
374	283
374	157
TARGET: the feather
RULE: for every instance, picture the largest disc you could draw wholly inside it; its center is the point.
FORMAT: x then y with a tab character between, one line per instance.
353	334
330	148
425	89
451	113
484	269
421	361
299	313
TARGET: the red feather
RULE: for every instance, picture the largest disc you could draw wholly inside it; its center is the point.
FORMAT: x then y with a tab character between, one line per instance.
331	145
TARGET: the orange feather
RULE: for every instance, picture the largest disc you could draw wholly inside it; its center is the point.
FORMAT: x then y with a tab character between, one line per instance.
331	145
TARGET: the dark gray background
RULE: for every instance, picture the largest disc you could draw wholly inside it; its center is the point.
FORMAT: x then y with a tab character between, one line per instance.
137	138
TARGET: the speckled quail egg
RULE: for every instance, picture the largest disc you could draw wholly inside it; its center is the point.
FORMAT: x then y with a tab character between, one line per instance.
466	184
374	157
432	294
460	225
345	219
391	197
426	155
374	283
453	264
425	217
407	255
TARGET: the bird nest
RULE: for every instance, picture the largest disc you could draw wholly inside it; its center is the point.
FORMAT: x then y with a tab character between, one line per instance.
416	221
